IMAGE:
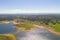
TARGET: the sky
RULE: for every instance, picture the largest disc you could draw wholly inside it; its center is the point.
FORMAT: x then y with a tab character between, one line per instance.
29	6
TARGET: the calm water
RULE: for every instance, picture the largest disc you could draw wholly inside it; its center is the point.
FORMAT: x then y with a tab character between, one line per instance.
6	28
36	34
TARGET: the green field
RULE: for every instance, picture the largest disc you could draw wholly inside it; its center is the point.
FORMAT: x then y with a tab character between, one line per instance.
57	27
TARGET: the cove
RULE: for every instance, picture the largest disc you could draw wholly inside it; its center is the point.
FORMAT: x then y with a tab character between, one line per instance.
6	28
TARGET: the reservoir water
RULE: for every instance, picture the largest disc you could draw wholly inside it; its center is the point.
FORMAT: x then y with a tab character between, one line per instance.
35	34
6	28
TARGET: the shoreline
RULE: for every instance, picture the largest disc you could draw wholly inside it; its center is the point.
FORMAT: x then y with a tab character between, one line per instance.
21	29
49	29
40	26
9	36
52	31
35	25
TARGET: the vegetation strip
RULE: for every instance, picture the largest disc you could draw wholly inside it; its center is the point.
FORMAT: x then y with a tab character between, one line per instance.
7	37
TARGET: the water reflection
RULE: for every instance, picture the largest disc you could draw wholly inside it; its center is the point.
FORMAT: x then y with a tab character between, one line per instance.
33	37
37	34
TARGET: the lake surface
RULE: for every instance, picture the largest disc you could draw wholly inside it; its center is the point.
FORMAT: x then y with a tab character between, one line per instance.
36	34
6	28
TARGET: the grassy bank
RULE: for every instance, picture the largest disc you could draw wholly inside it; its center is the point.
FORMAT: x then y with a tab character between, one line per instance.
26	25
7	37
54	28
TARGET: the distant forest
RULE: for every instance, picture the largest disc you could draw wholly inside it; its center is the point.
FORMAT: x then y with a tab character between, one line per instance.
53	18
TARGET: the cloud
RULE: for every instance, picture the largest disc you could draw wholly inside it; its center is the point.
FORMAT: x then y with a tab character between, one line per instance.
8	11
28	11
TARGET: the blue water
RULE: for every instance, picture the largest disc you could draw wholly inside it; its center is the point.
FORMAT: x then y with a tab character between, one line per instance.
6	28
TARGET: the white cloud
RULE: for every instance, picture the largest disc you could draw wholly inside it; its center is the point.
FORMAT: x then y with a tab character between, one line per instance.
8	11
29	11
